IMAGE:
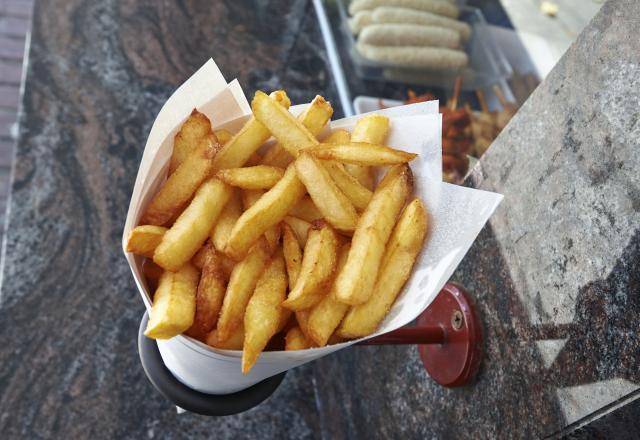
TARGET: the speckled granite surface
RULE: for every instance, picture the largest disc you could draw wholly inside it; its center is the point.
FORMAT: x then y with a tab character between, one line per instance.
98	73
553	275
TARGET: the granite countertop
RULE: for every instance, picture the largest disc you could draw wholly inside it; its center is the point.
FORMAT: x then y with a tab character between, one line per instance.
553	274
98	73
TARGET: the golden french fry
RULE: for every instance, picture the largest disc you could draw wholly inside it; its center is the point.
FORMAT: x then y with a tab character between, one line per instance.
284	319
300	227
266	213
372	129
143	240
339	136
317	269
211	290
335	207
288	131
306	210
152	272
228	217
400	255
277	156
234	342
292	253
324	317
182	183
253	134
254	160
227	265
195	128
243	281
302	318
192	228
256	177
198	259
295	340
174	303
314	118
223	136
354	283
272	234
264	313
360	153
357	193
250	197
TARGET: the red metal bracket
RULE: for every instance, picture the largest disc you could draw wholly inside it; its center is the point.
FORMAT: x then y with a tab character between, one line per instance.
448	335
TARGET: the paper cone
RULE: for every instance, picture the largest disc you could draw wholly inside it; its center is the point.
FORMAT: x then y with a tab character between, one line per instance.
456	216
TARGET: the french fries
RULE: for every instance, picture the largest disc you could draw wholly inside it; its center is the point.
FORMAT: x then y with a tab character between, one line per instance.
372	129
182	183
325	316
211	290
234	342
292	253
300	227
289	132
272	234
302	318
174	303
354	283
256	177
314	118
357	193
295	340
198	259
223	136
152	272
195	128
245	143
264	313
402	250
338	137
267	212
360	153
228	217
243	281
306	210
143	240
336	208
227	265
192	228
318	266
238	242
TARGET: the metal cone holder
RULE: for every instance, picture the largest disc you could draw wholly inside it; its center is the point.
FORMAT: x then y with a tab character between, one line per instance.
447	333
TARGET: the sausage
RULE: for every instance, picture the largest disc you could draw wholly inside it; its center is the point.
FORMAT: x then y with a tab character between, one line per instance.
409	35
411	56
360	20
411	16
434	6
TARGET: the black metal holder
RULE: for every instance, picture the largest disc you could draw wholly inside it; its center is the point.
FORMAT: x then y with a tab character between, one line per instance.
190	399
448	336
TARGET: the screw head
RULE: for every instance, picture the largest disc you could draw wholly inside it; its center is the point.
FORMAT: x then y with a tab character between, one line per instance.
457	320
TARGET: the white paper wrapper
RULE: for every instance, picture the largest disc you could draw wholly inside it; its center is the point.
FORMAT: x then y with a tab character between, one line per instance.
456	216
